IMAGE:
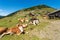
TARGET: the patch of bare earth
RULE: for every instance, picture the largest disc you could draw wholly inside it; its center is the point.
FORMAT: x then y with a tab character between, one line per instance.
50	32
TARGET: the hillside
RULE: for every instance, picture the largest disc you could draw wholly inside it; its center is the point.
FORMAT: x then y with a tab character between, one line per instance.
12	19
21	13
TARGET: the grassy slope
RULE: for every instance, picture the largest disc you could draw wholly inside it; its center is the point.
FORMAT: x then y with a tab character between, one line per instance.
5	22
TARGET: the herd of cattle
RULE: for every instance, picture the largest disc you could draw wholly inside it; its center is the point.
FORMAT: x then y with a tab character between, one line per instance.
19	28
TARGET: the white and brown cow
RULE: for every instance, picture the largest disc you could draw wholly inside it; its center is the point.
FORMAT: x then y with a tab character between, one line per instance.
15	30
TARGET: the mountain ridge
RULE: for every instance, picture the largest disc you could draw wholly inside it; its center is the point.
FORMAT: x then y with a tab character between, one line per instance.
40	6
30	8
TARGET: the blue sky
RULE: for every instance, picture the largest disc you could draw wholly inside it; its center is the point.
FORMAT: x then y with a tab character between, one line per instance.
9	6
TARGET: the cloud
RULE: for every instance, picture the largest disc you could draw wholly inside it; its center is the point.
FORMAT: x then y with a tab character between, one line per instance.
3	12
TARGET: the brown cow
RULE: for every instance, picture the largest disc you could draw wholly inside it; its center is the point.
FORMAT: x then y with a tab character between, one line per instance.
15	30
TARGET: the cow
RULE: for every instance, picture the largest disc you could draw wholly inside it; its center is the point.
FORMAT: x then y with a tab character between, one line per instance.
34	21
23	20
31	14
15	30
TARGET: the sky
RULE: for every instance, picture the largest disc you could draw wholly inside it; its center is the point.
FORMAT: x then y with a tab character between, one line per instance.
10	6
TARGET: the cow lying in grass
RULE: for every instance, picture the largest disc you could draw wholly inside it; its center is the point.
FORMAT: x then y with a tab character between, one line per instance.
23	20
15	30
34	21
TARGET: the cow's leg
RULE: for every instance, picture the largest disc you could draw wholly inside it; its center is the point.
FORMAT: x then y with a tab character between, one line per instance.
5	34
18	33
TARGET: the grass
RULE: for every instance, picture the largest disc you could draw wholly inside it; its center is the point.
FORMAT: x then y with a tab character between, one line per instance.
6	23
26	36
21	37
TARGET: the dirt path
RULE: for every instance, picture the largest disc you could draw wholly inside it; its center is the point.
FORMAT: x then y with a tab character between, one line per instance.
50	32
